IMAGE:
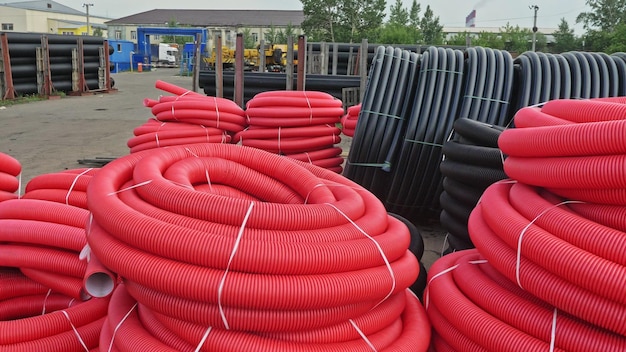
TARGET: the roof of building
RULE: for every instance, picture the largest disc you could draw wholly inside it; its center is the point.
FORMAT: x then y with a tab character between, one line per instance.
217	18
44	5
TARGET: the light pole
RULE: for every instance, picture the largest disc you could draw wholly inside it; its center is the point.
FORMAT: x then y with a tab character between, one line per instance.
87	6
535	8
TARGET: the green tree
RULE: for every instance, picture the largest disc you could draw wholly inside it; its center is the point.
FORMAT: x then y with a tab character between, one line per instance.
270	35
97	32
516	39
604	15
282	35
596	40
431	29
564	39
489	40
414	14
458	39
342	20
398	15
360	19
397	29
320	19
618	39
248	40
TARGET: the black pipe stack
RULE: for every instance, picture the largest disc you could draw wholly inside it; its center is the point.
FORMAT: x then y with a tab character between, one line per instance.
571	75
472	161
477	84
392	83
23	48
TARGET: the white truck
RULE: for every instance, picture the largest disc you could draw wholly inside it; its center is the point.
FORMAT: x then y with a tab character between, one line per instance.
167	55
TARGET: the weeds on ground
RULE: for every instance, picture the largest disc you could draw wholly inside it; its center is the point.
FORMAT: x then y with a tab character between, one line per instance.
23	99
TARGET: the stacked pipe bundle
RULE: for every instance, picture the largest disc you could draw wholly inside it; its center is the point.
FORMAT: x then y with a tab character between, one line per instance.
488	86
10	169
22	50
552	235
569	75
620	62
349	120
187	118
414	188
473	307
391	85
68	187
472	161
298	124
226	247
43	305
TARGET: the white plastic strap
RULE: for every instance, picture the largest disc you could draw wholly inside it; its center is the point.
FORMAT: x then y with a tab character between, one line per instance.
208	179
129	188
518	260
156	138
69	191
69	305
427	293
192	153
206	133
279	149
173	113
117	327
308	103
306	200
553	332
203	340
45	302
382	253
308	157
230	260
182	95
443	245
19	186
217	112
367	341
80	339
441	273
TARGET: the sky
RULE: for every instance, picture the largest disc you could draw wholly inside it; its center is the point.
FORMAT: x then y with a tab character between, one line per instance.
452	13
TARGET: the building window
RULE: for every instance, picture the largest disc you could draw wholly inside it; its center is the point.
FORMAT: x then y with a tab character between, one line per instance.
119	48
255	37
83	33
157	37
68	33
133	34
118	34
7	26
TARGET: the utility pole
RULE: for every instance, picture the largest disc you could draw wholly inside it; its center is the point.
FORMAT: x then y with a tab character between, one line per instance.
535	8
87	6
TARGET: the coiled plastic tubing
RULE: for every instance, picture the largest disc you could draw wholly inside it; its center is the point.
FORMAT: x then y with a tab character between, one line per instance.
265	250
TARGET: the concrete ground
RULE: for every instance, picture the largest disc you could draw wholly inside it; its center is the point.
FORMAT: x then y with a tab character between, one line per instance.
51	135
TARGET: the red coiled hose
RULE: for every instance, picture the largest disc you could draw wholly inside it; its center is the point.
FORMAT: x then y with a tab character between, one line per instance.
10	169
289	123
583	160
470	298
33	319
10	165
68	187
129	319
545	285
349	120
284	251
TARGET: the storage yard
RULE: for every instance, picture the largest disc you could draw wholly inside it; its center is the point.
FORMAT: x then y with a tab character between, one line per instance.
218	247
